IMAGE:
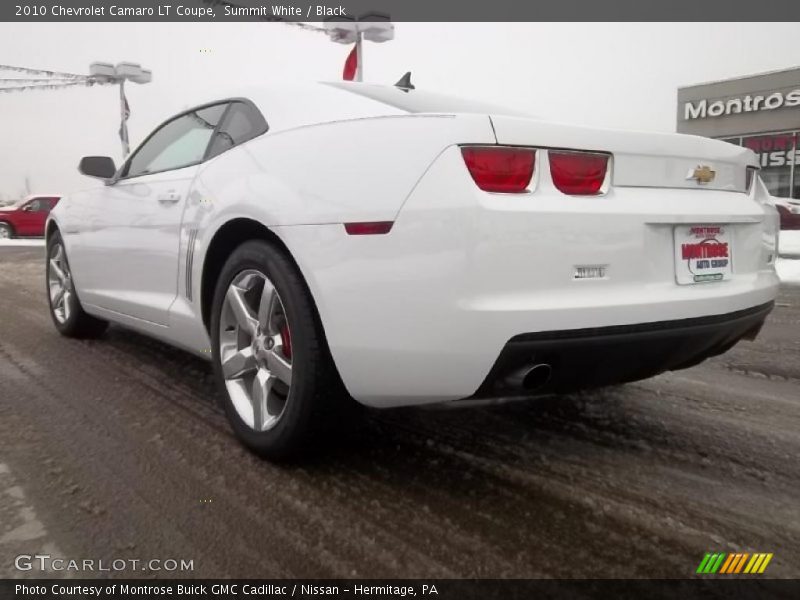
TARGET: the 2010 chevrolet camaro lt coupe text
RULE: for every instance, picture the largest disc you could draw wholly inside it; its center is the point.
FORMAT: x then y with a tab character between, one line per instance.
399	247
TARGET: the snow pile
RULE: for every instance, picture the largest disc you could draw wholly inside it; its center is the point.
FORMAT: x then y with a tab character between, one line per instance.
789	243
788	270
22	242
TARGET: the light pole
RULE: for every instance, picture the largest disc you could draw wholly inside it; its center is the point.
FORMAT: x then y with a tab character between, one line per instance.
374	27
105	73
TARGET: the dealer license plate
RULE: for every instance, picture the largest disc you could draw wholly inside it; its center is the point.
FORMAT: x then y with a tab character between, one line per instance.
702	253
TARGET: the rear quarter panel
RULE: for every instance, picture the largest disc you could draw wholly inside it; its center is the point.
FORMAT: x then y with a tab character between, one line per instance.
332	173
356	170
319	175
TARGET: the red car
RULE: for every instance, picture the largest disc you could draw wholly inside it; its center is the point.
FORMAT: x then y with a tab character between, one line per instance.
26	217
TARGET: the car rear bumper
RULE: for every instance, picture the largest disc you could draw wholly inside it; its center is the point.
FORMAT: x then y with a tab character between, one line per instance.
584	358
420	315
407	327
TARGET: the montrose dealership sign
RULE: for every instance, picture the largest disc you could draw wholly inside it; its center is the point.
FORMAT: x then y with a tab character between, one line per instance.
704	108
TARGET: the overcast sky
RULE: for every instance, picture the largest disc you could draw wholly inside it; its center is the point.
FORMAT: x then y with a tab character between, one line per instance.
613	75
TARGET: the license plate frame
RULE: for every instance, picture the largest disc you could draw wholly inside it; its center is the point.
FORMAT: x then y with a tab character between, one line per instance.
703	253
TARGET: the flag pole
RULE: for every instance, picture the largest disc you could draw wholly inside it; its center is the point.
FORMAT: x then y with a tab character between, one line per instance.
123	128
359	57
370	27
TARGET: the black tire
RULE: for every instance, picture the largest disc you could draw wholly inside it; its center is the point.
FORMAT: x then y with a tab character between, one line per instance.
6	230
77	323
316	389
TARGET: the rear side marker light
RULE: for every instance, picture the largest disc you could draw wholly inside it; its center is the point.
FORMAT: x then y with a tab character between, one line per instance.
368	227
578	173
501	169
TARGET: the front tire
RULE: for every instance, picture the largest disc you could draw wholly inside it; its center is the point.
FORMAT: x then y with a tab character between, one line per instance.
270	357
6	231
65	308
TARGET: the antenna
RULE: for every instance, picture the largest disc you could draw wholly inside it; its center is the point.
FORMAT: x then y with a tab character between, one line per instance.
405	82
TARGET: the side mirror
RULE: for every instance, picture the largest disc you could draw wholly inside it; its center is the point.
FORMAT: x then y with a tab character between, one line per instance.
97	166
27	208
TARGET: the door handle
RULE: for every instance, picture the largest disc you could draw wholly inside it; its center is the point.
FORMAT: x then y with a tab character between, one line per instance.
169	197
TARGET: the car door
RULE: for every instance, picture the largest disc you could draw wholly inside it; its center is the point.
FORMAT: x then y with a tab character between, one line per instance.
130	245
30	215
40	215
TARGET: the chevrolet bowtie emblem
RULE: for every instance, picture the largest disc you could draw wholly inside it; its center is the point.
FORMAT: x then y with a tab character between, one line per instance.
702	174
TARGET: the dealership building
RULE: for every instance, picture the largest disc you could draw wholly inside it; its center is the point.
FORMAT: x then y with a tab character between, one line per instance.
761	112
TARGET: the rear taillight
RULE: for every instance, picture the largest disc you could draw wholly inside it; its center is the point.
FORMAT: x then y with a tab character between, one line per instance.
578	173
500	168
750	177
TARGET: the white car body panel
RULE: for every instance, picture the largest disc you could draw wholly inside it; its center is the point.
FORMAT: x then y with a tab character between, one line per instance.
134	236
641	159
393	154
501	268
421	314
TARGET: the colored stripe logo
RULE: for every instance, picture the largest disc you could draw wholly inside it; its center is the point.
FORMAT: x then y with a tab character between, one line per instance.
734	563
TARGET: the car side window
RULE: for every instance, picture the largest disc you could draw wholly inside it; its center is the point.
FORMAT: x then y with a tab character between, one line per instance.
34	205
179	143
44	205
242	122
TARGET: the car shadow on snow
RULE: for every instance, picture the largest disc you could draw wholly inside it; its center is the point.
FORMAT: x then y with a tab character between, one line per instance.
509	432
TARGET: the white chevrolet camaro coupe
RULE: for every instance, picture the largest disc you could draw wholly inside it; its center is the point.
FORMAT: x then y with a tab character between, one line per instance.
399	247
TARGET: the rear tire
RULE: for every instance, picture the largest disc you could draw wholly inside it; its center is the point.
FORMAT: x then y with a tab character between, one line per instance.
271	360
65	308
6	231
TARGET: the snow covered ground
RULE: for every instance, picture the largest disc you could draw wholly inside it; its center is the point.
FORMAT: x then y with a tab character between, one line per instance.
788	270
789	243
22	242
788	265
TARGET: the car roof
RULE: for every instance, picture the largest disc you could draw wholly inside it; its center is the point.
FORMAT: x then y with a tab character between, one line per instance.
296	104
290	105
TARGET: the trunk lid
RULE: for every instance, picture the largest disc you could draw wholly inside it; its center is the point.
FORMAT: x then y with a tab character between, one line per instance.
641	159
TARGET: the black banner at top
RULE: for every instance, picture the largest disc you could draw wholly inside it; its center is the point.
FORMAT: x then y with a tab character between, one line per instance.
398	10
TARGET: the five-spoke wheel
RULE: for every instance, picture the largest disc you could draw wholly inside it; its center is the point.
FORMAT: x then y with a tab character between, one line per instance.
68	315
271	359
255	349
59	283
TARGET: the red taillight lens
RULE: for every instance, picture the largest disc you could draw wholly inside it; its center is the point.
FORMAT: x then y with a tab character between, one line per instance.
578	173
500	169
368	227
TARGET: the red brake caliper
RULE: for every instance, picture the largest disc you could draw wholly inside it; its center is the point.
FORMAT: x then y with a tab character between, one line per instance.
287	341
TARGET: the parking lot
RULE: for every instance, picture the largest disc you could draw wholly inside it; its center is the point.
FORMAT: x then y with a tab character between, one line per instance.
115	449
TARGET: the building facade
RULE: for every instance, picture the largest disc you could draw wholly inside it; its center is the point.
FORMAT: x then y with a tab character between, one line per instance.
761	112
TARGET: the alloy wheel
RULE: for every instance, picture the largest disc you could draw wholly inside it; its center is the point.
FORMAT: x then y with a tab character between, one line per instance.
59	281
255	350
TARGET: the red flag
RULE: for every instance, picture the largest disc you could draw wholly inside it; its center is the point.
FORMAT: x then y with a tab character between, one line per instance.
350	65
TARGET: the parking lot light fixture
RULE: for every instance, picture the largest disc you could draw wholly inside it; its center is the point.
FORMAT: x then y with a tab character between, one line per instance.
106	73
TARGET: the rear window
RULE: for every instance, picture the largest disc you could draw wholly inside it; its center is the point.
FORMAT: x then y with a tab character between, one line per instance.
421	101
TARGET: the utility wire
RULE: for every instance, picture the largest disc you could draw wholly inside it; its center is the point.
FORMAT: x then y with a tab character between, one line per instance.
55	80
29	71
38	80
51	86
